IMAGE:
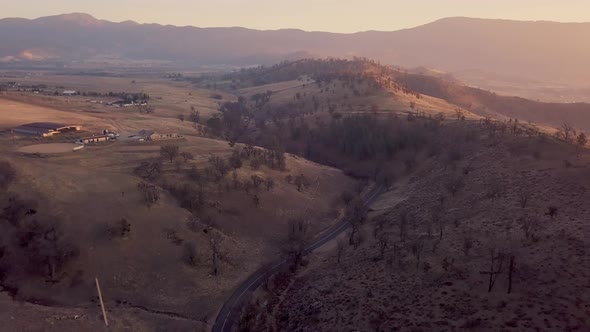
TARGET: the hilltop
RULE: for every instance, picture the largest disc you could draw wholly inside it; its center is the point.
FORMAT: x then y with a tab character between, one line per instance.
364	85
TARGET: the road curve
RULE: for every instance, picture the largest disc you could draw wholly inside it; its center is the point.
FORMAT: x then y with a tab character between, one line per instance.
231	308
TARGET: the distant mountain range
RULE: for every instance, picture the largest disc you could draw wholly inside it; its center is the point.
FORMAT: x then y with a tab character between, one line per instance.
546	51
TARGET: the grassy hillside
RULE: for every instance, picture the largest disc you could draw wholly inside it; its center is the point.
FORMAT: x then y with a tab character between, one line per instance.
156	268
488	104
426	92
514	205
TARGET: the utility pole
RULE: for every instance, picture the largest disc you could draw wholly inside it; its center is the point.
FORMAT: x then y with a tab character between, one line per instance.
104	313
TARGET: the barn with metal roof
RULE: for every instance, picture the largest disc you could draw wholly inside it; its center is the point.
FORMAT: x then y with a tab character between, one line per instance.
45	129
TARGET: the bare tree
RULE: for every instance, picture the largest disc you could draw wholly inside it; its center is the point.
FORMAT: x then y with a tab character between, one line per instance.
581	142
187	156
529	226
459	114
301	182
403	225
270	184
510	272
523	197
438	219
340	250
190	255
169	152
194	117
149	170
356	237
417	248
496	260
181	117
296	239
150	194
256	181
215	246
45	246
566	132
383	241
219	168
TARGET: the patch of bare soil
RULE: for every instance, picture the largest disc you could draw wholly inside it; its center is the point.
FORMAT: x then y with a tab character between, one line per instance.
49	148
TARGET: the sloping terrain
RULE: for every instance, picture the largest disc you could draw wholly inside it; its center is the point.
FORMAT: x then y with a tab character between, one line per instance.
387	88
494	242
159	270
489	104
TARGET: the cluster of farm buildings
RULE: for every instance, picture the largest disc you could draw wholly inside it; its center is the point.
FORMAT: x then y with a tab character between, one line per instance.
49	129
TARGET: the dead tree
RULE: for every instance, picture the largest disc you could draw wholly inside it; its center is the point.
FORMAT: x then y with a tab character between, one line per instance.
194	117
214	245
169	152
523	197
403	226
510	271
417	248
379	227
187	156
355	238
270	184
383	242
340	250
150	193
467	245
567	133
496	261
529	226
297	237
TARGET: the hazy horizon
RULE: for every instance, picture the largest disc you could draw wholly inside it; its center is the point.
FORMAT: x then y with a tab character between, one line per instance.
308	15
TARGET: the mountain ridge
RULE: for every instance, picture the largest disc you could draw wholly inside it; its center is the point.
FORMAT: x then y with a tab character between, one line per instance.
82	17
535	49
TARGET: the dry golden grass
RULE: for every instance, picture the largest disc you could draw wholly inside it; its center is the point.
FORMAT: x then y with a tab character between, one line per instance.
96	185
386	100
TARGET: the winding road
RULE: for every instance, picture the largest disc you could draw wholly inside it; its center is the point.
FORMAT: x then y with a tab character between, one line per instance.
230	311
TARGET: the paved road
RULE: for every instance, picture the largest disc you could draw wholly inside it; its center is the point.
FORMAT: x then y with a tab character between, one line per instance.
231	309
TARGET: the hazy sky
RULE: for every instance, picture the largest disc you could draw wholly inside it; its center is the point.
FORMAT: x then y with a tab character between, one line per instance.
324	15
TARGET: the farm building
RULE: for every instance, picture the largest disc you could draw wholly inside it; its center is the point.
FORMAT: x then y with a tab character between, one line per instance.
95	139
45	129
149	135
163	137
